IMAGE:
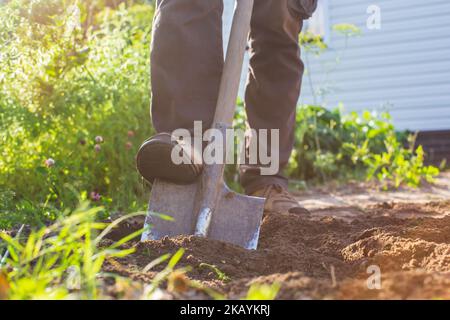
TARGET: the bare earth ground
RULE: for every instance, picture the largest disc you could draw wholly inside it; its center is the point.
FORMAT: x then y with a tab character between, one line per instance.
325	256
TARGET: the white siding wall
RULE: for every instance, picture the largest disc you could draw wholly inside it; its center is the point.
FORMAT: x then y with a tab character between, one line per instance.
404	67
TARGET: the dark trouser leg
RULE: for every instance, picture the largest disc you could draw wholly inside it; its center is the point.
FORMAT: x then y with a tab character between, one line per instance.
274	80
186	62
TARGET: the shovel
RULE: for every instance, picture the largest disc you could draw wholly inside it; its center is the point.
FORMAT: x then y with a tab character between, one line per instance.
208	208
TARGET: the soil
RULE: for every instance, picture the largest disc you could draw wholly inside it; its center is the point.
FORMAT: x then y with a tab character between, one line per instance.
328	255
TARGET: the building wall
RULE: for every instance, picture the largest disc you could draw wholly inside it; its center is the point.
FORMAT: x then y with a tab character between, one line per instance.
404	67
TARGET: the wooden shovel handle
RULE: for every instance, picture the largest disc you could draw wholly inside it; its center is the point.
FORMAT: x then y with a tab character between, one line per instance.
231	76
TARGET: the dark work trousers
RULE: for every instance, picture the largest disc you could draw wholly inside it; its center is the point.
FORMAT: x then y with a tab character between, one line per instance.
187	62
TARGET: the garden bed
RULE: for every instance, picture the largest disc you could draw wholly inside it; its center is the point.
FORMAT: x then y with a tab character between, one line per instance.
351	231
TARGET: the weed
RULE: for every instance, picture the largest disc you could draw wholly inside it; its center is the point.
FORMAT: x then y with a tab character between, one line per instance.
220	274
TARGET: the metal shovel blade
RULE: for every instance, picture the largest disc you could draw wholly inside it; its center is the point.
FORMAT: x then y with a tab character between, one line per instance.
236	218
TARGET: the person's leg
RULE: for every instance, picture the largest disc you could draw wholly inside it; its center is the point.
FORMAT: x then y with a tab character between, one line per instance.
274	80
186	62
186	67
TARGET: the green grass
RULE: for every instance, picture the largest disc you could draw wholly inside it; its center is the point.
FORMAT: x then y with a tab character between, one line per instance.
63	260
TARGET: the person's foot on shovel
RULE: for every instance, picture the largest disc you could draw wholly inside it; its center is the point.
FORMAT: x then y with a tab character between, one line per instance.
154	161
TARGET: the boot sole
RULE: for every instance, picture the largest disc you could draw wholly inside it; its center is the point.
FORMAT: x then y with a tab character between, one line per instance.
154	161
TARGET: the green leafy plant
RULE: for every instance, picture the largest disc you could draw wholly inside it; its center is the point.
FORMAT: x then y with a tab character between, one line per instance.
399	166
74	86
330	145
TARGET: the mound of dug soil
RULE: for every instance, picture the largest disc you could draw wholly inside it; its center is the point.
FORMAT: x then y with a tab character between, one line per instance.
322	256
